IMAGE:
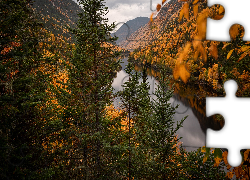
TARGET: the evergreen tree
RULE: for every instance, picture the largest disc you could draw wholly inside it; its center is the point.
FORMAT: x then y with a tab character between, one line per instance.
94	65
152	153
23	97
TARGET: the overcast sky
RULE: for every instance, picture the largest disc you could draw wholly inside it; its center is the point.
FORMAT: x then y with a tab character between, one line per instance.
124	10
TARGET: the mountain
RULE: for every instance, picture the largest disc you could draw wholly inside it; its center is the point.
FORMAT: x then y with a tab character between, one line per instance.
152	30
129	27
57	14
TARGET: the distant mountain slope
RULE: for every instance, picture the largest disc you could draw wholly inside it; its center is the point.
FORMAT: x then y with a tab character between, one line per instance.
150	31
57	14
129	28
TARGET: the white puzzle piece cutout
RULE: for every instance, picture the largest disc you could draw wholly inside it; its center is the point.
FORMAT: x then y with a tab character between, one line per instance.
236	12
236	112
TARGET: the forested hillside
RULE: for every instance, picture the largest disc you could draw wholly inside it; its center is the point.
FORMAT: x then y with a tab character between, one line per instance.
57	15
180	44
153	29
129	28
57	118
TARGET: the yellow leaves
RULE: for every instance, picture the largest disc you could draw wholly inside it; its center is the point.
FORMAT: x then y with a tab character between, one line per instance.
219	13
246	155
221	10
151	16
196	9
199	50
46	53
202	24
245	48
196	1
224	157
213	50
185	51
217	157
217	161
246	51
6	50
181	71
184	12
11	46
113	113
230	53
53	37
230	175
225	45
234	31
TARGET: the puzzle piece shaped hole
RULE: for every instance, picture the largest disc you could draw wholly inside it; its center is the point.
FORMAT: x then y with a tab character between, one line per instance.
235	111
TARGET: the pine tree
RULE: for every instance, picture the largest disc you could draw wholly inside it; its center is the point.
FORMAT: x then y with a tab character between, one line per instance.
23	97
153	152
94	65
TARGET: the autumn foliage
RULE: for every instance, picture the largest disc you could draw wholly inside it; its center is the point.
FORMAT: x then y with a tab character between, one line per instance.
183	47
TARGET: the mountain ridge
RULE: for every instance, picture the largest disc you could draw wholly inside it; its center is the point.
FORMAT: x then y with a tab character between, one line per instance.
129	27
152	30
57	15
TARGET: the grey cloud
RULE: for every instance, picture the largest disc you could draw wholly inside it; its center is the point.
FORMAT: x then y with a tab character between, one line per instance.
113	3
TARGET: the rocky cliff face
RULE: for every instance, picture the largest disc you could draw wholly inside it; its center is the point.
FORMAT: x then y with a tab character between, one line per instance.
152	30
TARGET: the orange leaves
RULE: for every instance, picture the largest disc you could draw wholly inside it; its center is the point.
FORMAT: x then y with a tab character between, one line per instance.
114	113
185	51
196	9
202	24
184	12
234	31
11	46
213	50
246	51
230	175
151	17
217	161
6	50
230	53
217	157
246	155
199	50
158	7
242	171
219	13
196	1
180	69
224	157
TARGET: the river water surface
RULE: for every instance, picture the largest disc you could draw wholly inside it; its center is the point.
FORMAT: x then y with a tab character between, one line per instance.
194	127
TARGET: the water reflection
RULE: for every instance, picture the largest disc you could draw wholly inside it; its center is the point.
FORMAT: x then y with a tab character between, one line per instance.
193	136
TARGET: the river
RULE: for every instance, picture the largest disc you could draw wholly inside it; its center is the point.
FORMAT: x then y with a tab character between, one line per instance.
194	127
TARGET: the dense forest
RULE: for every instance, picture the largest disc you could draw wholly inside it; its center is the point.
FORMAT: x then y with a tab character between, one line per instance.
57	118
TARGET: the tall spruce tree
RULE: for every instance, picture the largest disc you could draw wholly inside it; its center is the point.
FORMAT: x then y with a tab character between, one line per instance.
152	152
94	65
23	97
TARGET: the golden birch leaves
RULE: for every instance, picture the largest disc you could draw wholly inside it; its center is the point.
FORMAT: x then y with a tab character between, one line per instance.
184	12
180	70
